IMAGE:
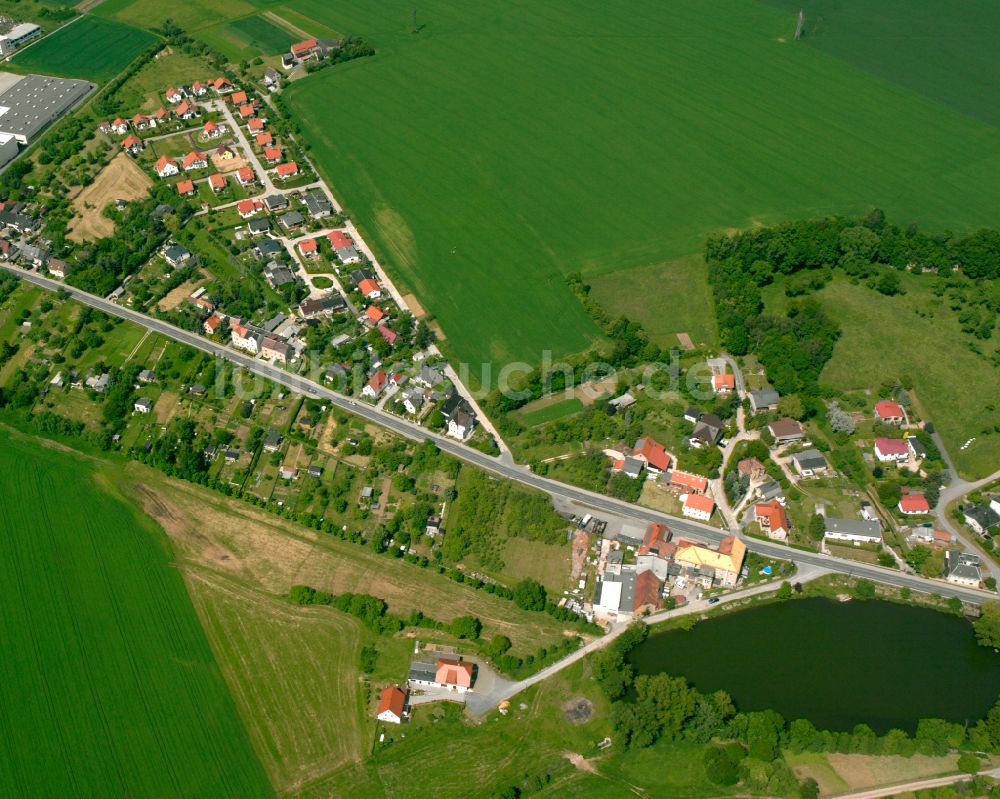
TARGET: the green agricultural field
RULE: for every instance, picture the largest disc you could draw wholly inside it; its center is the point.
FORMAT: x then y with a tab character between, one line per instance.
885	338
190	16
668	299
547	138
110	688
947	53
93	48
248	37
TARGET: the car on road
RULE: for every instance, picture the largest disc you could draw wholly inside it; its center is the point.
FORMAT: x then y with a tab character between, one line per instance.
713	600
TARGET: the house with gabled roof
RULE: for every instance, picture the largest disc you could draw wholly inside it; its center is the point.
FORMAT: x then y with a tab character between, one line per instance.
255	125
698	506
132	144
889	412
185	187
143	122
287	170
652	453
913	503
187	110
764	399
376	384
245	176
174	96
391	705
194	160
166	167
217	182
212	130
891	450
772	519
785	431
223	86
724	383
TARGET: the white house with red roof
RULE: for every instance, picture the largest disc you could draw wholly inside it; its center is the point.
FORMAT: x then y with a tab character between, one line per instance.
391	705
120	126
651	453
248	208
892	450
698	506
166	167
370	289
245	176
889	412
238	98
212	324
194	160
376	384
185	187
287	170
132	144
212	130
272	154
174	96
217	182
199	89
255	125
772	519
304	49
308	248
223	85
913	503
374	314
143	122
186	110
724	383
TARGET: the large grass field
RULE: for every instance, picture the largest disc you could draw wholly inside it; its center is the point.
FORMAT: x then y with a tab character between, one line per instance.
946	52
503	147
109	686
668	299
916	335
91	47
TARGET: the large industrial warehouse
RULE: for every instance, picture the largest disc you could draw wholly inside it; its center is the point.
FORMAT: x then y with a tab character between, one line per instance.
32	103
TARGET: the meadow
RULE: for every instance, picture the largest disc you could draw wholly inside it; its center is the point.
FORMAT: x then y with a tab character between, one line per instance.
110	688
92	48
887	338
612	140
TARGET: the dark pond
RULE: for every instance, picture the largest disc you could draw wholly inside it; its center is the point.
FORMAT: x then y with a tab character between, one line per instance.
835	663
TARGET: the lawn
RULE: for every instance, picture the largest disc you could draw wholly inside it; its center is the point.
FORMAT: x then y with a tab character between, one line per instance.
668	299
623	136
960	70
551	412
190	16
92	47
916	335
110	688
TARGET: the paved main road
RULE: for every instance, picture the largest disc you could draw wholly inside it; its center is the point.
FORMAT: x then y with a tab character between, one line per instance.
502	468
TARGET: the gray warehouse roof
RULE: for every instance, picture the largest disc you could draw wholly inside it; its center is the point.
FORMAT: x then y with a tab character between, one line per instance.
37	100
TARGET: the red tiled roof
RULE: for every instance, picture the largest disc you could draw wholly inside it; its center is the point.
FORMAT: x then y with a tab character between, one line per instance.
652	452
272	153
914	503
210	126
139	118
185	186
246	174
217	181
374	313
657	536
238	98
192	158
695	482
184	107
247	111
248	206
309	245
339	239
161	163
647	590
368	287
378	380
886	409
392	699
213	322
941	535
304	46
389	335
288	168
131	140
264	139
454	672
724	381
256	124
700	502
771	515
891	446
749	465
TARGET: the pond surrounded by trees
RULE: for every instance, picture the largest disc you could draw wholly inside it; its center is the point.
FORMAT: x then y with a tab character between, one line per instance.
836	664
